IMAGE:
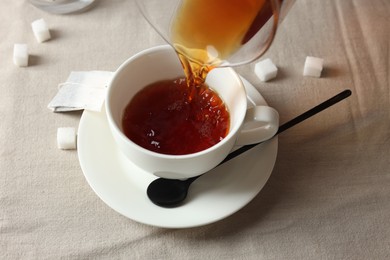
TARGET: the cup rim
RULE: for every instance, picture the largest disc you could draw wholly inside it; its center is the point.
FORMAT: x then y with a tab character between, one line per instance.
122	67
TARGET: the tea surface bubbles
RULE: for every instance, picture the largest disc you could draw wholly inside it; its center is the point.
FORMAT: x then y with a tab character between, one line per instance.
163	118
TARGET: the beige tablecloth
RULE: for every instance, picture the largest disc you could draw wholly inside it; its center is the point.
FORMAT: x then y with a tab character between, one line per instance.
328	196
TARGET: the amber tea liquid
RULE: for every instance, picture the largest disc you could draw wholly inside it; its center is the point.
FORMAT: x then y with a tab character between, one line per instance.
161	118
184	115
205	32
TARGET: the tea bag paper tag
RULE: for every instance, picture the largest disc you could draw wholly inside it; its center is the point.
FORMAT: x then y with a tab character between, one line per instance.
82	90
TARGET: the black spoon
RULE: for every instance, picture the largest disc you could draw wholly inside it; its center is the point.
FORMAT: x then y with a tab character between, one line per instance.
170	193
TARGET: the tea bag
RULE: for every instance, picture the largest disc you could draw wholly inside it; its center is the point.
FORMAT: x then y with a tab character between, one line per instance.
82	90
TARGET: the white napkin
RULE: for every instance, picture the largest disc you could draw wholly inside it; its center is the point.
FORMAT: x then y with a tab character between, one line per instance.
82	90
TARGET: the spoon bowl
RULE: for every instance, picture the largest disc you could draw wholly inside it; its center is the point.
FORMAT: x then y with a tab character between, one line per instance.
169	192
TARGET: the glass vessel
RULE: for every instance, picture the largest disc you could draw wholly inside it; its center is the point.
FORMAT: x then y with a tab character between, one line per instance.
215	33
62	6
189	26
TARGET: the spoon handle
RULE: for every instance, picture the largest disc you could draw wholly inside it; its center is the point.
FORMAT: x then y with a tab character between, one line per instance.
324	105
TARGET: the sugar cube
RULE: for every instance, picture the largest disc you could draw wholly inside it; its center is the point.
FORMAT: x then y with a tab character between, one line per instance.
40	30
313	67
66	138
20	54
266	70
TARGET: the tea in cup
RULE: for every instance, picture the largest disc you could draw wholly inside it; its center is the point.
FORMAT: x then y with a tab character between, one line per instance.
151	115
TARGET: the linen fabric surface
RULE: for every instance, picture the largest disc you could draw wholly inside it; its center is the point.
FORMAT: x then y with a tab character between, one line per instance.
328	195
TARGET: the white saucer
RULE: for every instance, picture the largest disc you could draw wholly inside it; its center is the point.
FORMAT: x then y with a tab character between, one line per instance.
216	195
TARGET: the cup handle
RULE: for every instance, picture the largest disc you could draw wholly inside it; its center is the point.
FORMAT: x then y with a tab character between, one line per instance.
260	124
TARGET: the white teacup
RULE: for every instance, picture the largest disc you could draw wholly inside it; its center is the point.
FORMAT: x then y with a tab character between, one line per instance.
247	126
